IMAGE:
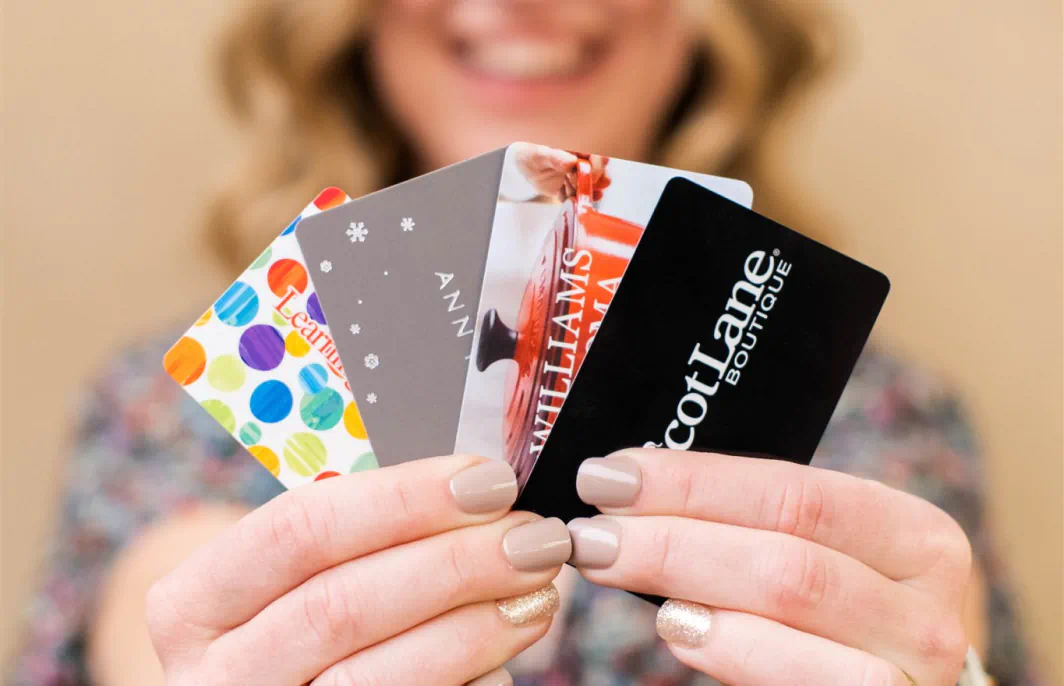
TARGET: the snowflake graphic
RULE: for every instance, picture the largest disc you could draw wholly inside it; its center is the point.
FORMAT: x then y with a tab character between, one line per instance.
358	232
325	266
407	224
356	329
371	398
372	361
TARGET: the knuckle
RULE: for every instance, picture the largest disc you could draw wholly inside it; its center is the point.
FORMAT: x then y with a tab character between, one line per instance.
298	531
795	578
749	658
691	485
662	568
167	627
955	547
941	642
331	611
462	572
947	547
159	613
290	525
801	507
405	500
173	634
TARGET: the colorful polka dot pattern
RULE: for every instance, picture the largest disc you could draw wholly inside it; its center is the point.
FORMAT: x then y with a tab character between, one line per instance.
285	274
258	376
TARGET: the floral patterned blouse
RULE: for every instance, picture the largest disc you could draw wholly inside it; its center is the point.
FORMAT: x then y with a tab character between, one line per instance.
143	449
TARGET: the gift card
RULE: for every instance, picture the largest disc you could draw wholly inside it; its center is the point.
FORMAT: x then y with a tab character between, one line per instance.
551	271
399	271
729	333
406	266
263	362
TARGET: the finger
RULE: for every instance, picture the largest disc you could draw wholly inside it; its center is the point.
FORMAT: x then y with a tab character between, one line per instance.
598	168
522	152
570	186
798	583
362	602
532	158
857	517
559	160
319	525
746	650
454	648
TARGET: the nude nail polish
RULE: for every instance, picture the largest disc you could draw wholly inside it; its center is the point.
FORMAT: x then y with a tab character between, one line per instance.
486	487
608	481
538	545
596	542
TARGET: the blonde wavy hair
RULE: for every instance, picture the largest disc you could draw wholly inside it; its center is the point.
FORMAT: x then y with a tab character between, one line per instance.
293	75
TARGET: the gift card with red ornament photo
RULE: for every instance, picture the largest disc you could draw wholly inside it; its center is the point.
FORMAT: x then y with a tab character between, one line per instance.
565	227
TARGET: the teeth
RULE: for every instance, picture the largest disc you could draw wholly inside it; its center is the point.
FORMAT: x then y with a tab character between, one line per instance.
526	59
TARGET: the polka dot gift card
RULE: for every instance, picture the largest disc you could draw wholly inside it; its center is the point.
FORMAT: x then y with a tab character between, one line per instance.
263	362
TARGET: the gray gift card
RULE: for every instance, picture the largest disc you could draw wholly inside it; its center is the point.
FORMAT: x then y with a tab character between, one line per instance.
398	273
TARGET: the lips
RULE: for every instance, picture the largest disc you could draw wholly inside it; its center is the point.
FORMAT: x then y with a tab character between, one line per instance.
528	59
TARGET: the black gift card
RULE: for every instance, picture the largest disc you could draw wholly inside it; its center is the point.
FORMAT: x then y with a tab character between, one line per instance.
728	333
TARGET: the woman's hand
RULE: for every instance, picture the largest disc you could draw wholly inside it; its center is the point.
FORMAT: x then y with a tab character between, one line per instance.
786	574
379	577
552	172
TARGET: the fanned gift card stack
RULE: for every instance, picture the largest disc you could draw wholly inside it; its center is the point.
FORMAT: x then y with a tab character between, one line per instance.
536	306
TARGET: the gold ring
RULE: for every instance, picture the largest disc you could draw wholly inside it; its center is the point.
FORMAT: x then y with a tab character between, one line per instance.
912	681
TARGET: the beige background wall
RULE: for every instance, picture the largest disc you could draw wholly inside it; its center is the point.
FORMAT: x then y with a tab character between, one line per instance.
938	145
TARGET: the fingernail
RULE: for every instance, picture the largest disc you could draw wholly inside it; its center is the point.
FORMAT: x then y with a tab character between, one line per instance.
684	623
486	487
538	546
500	677
608	481
525	609
596	542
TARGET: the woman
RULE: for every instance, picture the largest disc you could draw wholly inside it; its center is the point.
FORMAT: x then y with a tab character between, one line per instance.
788	574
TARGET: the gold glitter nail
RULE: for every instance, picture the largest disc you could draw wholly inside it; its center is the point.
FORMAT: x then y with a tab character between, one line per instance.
684	624
525	609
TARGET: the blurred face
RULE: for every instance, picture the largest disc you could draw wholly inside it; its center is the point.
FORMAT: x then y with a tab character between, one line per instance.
465	76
